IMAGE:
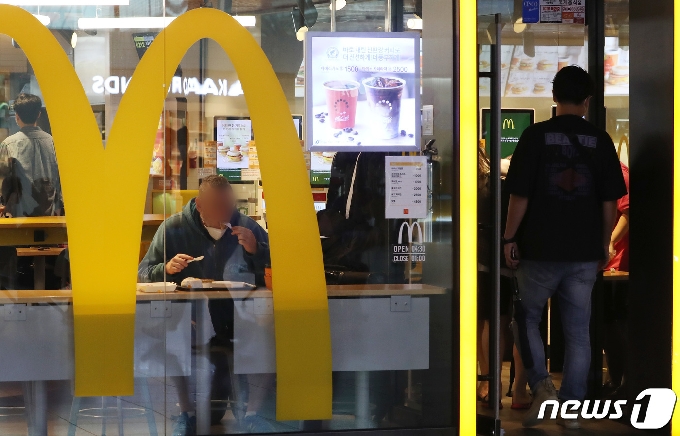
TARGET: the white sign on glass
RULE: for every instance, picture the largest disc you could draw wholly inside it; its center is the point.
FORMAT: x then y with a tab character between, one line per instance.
406	182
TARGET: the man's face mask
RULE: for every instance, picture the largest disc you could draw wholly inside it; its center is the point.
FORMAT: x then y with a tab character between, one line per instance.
216	234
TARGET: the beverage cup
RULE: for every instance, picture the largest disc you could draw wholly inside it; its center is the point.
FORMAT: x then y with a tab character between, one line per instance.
384	107
341	99
611	59
562	62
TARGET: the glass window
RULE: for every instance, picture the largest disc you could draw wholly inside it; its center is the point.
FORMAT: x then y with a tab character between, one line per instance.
177	190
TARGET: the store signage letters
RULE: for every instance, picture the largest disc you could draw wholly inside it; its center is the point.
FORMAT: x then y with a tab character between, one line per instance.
179	85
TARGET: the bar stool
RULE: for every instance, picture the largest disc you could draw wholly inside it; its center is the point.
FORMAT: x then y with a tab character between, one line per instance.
147	410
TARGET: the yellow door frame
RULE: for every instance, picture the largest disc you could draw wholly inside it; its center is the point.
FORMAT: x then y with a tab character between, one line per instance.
468	96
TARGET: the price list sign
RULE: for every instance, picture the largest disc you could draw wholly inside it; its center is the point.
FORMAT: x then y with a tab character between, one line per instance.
554	11
406	182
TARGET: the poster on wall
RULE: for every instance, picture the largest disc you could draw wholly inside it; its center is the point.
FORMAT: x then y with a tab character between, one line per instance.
554	11
362	91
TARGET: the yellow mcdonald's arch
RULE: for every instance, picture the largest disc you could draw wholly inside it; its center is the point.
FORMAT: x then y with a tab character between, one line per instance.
104	192
509	123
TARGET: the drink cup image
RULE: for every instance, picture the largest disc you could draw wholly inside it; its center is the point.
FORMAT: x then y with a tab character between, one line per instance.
562	62
341	99
611	59
383	95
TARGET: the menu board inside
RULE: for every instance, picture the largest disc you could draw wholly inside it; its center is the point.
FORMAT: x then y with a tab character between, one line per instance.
233	136
362	91
531	76
513	124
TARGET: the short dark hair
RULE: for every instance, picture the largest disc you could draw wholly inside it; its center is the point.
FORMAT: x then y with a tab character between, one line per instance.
28	107
215	181
572	84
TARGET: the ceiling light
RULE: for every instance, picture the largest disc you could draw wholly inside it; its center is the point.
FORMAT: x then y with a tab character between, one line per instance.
415	23
124	23
44	19
519	26
339	4
246	20
300	34
65	2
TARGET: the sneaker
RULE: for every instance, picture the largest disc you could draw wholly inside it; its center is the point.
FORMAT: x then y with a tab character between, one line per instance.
184	425
545	391
257	424
569	424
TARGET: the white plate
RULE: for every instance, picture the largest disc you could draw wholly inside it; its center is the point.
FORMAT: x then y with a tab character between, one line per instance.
156	288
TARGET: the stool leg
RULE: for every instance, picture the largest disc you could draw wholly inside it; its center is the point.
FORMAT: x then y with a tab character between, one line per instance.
73	418
148	406
119	406
29	407
103	416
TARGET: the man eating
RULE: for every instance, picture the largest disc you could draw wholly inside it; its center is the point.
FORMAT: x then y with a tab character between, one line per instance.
210	239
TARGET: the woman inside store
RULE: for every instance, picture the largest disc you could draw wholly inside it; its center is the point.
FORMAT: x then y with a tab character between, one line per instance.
520	397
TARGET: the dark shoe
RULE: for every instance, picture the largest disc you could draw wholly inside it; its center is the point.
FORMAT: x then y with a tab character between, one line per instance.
620	393
258	424
184	426
545	391
569	424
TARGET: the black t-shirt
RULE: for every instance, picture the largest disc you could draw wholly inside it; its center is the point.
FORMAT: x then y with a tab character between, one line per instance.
566	185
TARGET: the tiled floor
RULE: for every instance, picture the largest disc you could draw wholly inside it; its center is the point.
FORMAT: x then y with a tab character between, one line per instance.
511	420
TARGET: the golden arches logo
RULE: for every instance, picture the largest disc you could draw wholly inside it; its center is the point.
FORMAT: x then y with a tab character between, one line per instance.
104	217
509	123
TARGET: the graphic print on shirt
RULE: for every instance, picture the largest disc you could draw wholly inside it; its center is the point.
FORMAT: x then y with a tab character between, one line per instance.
567	171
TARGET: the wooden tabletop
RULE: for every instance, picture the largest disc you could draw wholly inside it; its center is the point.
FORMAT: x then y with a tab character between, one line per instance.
51	230
47	222
355	291
615	276
39	251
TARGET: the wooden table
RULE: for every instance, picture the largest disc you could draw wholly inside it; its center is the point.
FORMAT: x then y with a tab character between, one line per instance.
50	230
39	255
615	276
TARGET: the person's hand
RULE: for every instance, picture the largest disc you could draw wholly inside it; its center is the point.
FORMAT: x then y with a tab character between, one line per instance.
612	251
177	263
507	250
2	210
606	256
245	238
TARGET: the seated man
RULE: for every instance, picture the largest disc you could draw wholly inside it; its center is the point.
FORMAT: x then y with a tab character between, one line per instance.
235	248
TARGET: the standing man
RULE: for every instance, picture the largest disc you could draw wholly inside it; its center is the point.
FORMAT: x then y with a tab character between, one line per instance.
28	166
564	182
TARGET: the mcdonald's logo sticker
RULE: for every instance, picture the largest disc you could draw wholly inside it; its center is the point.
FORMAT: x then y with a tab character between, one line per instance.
509	123
413	251
100	235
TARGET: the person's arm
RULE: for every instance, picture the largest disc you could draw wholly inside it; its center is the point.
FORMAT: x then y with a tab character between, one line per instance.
151	268
608	219
262	255
619	232
516	210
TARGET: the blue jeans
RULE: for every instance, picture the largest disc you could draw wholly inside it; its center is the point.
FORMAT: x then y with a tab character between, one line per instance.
573	282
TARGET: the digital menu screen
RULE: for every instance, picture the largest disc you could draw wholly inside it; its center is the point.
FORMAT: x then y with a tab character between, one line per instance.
513	124
233	136
362	91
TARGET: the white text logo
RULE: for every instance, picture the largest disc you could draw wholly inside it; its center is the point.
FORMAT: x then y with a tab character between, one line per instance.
659	409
